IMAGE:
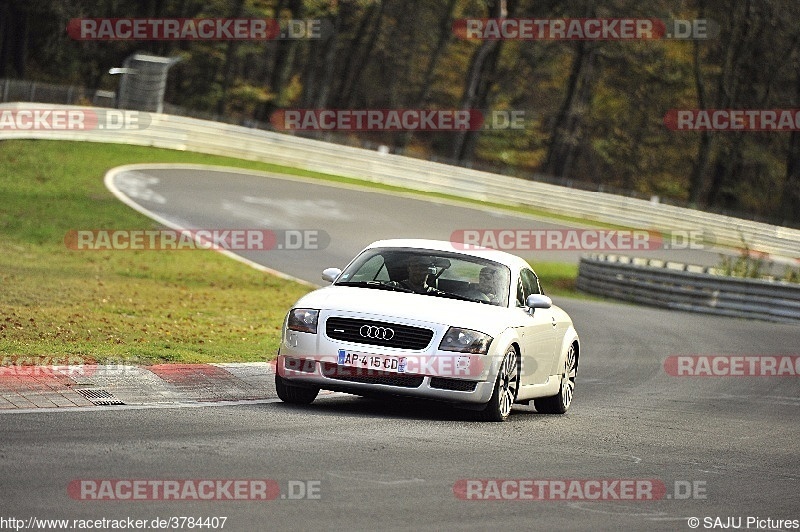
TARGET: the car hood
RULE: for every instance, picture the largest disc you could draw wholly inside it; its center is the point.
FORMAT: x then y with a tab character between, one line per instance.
378	304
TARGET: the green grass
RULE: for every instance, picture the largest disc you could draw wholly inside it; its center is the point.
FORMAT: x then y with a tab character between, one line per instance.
557	278
135	306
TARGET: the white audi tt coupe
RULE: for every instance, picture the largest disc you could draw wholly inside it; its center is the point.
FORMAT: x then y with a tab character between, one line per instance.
433	320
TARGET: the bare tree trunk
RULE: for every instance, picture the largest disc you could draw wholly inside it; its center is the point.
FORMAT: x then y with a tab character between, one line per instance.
6	39
709	185
284	58
271	55
330	46
790	199
310	72
405	35
566	130
704	148
14	22
479	81
230	56
360	53
319	68
445	35
21	49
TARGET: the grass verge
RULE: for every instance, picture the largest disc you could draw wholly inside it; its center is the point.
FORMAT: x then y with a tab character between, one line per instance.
139	307
558	278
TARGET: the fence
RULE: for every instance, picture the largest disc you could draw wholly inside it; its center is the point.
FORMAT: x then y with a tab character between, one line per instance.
685	287
15	90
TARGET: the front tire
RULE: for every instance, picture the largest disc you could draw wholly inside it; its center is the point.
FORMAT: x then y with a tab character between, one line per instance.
294	394
559	404
505	389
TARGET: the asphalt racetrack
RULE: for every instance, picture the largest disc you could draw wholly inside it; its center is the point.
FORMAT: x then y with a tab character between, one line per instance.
345	219
704	447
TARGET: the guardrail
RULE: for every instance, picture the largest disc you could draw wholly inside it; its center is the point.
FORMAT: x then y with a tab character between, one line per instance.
686	287
190	134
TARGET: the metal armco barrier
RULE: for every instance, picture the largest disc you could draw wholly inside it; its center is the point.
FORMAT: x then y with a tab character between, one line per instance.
691	288
191	134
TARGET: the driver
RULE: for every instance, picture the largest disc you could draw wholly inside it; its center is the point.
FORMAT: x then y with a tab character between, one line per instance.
487	283
418	271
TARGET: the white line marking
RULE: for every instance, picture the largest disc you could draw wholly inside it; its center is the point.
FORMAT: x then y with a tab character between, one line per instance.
109	182
151	406
366	478
615	509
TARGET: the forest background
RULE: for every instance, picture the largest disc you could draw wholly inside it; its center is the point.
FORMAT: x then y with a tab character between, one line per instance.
593	110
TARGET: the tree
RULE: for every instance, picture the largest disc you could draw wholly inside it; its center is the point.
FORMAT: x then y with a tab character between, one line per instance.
480	80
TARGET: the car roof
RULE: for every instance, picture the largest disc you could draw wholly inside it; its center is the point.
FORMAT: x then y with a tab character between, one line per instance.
512	261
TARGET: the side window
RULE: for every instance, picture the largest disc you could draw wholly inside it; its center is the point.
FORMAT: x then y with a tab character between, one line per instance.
520	294
528	285
530	280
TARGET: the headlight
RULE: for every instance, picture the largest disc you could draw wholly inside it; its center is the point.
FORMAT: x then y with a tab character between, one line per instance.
465	341
303	320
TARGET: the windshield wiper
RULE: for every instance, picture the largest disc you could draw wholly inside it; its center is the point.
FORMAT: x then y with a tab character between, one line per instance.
466	298
375	284
450	295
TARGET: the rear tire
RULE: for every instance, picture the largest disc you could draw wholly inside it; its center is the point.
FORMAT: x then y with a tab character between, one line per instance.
505	389
559	404
294	394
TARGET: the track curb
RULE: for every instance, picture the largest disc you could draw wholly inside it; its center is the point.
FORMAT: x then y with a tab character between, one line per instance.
98	385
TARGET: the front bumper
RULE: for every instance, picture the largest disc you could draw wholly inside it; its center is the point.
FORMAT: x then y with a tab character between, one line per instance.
320	360
324	372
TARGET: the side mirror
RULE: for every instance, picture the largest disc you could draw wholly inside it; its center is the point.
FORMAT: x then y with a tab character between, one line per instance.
330	274
538	301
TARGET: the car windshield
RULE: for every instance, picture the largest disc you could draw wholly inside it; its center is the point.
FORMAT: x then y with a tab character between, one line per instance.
433	273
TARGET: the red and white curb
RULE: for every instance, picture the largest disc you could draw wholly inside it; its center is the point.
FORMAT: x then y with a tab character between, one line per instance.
51	387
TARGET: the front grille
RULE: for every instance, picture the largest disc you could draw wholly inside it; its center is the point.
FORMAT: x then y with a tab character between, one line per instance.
457	385
359	331
344	373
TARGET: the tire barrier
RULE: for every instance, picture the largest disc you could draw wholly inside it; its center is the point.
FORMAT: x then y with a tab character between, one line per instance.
687	287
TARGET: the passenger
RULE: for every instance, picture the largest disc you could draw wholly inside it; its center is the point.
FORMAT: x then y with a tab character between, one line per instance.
488	285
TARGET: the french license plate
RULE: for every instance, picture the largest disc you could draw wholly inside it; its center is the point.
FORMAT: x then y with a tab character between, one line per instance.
372	362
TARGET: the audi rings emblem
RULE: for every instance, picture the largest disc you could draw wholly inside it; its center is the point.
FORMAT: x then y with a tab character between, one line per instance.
376	333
